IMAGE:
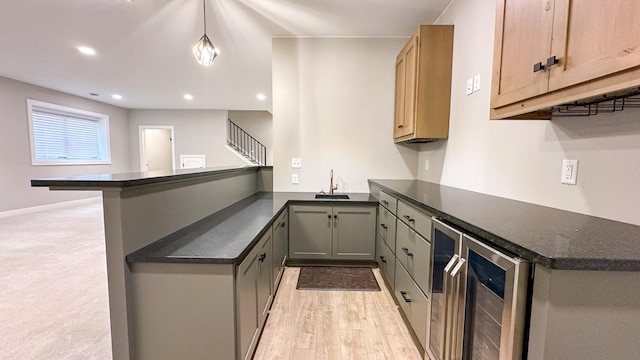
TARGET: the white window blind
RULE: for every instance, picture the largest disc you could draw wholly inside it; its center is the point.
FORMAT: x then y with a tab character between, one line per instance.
64	136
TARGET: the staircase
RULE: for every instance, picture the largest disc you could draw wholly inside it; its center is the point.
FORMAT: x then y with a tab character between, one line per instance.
245	144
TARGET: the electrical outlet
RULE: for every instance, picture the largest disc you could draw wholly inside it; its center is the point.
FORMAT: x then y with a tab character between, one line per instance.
296	163
476	83
294	179
469	86
569	172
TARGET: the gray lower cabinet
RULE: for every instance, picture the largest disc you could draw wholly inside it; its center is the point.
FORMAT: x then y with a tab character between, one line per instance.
332	232
412	302
387	227
253	295
414	253
386	261
280	246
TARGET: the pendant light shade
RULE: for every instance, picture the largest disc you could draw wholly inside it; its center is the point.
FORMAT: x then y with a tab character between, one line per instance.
203	50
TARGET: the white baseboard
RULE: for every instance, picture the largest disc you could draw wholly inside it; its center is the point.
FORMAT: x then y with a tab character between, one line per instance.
29	210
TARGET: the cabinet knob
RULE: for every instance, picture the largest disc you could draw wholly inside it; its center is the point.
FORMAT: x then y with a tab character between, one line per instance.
409	219
404	296
383	259
406	251
262	257
283	224
383	226
538	67
400	126
335	216
552	61
329	216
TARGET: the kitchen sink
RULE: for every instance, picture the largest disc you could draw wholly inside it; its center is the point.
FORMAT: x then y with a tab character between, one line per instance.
332	196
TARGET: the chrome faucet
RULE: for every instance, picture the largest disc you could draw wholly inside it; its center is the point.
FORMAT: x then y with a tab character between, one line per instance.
331	187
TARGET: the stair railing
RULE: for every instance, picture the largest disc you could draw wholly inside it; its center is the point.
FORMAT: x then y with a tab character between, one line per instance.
245	144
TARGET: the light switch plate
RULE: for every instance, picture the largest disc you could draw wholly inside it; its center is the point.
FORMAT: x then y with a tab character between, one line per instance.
469	86
476	83
569	172
294	179
296	163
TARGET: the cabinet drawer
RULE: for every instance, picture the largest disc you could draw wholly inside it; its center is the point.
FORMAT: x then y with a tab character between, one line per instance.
414	252
416	219
413	303
388	201
387	227
386	261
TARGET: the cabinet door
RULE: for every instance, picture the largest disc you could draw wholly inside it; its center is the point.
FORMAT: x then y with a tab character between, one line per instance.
593	39
280	243
387	227
247	300
310	230
406	82
264	277
386	261
523	38
354	232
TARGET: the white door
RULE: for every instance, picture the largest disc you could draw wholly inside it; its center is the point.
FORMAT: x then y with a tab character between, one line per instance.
157	149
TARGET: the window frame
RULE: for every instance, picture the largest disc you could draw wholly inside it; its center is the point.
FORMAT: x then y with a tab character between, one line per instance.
103	132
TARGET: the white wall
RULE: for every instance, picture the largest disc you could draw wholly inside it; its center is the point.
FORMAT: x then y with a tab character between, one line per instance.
258	124
195	131
16	170
522	159
333	107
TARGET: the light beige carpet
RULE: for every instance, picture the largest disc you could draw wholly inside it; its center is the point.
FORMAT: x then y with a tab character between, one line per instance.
53	285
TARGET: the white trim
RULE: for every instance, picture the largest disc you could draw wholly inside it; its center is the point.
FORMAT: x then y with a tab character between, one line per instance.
141	129
103	123
33	209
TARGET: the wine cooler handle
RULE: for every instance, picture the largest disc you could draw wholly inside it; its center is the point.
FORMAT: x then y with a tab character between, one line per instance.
451	262
456	270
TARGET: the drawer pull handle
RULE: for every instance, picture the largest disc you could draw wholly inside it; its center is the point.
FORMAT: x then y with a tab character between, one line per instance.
406	251
383	259
409	219
400	126
383	226
262	257
385	202
404	296
552	61
538	67
283	224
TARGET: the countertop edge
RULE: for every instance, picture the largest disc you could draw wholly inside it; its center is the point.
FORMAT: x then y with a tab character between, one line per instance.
88	182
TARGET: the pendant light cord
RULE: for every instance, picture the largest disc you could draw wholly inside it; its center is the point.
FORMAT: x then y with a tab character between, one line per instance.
204	13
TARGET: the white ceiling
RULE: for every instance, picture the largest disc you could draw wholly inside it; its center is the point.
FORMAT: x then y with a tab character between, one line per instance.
144	46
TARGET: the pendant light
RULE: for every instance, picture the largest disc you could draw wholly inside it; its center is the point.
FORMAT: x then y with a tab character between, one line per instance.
203	50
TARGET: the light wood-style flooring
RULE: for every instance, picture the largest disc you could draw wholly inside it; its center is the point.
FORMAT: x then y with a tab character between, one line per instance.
334	325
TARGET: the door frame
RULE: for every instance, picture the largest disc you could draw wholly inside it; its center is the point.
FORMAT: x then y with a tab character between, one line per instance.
143	155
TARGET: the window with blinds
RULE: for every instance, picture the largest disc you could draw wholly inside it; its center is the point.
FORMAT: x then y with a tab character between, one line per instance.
65	136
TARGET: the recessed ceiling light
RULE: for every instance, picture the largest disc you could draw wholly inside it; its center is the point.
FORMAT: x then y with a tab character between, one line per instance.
261	97
116	96
86	50
188	97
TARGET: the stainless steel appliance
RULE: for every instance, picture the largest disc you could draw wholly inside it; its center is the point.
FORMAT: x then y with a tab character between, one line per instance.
478	299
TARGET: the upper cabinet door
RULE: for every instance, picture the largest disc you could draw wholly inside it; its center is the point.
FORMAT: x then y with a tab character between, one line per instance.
406	77
593	39
523	39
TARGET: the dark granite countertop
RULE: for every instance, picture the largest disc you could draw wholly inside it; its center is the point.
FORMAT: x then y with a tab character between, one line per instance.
551	237
101	181
227	236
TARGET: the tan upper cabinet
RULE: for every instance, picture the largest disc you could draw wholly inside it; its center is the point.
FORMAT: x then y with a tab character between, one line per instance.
552	52
423	85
